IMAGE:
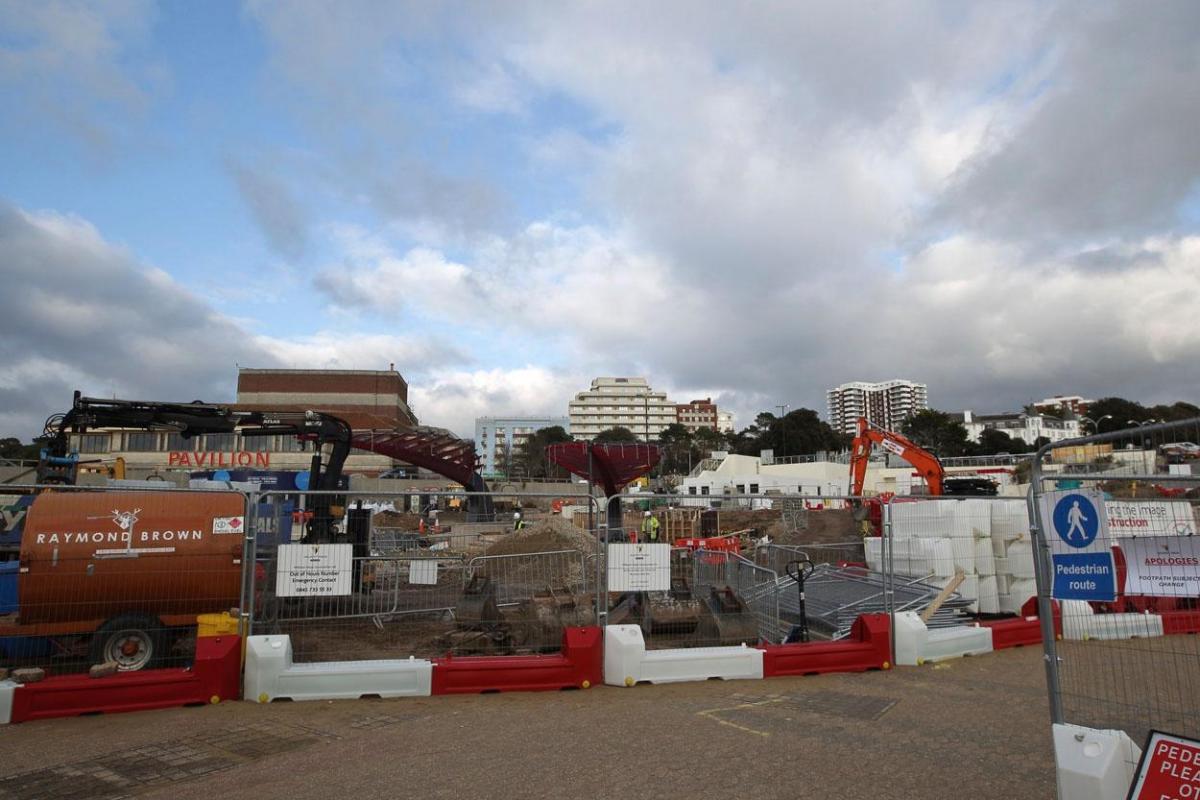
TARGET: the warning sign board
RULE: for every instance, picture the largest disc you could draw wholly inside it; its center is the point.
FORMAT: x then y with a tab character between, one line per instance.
314	570
1162	566
639	567
1169	768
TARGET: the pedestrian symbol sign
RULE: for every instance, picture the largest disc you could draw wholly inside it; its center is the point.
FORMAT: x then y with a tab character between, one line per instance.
1076	520
1076	528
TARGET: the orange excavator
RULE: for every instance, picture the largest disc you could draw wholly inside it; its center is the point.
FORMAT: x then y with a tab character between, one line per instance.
868	435
869	511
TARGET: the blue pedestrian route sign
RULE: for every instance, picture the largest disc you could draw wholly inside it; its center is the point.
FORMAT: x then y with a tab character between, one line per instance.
1081	558
1076	520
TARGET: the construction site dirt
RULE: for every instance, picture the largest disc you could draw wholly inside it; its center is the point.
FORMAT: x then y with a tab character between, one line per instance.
967	728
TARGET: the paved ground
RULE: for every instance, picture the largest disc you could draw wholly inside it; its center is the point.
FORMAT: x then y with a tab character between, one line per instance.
974	728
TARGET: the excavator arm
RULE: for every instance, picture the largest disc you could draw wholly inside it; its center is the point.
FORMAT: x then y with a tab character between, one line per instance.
868	435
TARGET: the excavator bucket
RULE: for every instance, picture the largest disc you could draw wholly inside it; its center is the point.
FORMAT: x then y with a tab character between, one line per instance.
476	608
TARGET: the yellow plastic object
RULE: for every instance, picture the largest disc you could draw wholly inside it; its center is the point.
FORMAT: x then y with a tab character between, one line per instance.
223	624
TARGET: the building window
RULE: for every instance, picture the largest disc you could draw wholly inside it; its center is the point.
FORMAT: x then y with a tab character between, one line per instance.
703	490
141	442
754	488
691	490
219	442
175	441
741	488
94	442
289	444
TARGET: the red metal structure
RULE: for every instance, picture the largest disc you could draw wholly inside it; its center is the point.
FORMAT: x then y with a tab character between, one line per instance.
614	465
868	435
435	449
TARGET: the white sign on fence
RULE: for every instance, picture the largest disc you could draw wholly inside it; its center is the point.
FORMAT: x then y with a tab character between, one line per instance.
314	570
1162	566
1150	518
423	571
639	567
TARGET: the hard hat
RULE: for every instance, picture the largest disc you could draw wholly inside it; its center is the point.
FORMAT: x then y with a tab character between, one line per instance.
516	515
645	513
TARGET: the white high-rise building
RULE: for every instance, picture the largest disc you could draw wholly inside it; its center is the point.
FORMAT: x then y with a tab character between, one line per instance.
621	402
885	404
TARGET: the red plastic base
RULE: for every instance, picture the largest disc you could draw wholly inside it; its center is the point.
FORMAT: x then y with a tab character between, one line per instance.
1180	622
1024	630
868	647
215	676
578	666
1017	632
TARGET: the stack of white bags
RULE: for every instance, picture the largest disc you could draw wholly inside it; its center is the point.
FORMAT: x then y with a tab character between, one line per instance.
988	540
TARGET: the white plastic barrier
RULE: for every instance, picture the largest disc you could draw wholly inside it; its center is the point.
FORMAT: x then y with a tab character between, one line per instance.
270	675
972	519
1080	622
7	688
1093	764
1019	592
917	644
1019	560
913	557
1010	519
963	550
627	662
927	519
989	596
985	558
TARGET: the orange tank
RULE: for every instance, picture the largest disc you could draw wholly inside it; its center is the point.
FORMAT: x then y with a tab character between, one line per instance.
87	557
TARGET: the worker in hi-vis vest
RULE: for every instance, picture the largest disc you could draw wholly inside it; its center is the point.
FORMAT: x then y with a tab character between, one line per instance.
518	523
649	527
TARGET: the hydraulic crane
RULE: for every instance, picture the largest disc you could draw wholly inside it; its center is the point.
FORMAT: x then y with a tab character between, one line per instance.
58	464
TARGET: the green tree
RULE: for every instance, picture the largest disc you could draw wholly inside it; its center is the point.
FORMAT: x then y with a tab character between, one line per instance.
938	432
533	453
1120	412
993	441
1174	412
677	448
619	434
11	448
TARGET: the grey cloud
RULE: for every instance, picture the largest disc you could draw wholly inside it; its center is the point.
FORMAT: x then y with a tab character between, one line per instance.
79	313
283	221
1110	147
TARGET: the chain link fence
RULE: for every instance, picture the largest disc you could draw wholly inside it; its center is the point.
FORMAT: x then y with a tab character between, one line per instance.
1118	562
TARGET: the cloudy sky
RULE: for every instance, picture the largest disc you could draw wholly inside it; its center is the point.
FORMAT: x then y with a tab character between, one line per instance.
753	203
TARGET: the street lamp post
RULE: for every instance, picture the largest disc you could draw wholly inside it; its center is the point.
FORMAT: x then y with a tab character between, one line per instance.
1145	442
1096	422
783	426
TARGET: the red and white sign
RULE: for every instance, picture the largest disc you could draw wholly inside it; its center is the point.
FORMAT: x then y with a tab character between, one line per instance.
228	524
259	459
1162	566
1150	518
1169	769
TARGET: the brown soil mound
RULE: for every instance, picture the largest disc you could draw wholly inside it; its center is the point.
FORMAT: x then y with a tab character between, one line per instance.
396	519
554	533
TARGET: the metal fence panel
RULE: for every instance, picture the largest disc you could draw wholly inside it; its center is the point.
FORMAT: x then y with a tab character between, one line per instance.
118	577
393	583
1128	592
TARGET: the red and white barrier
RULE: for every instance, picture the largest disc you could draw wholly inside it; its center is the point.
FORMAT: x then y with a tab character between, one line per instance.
271	675
627	662
214	676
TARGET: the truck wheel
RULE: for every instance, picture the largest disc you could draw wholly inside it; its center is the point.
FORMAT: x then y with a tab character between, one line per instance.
134	642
